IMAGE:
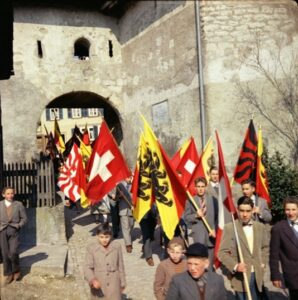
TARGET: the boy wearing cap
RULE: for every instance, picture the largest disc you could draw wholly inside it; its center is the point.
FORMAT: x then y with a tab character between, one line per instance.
197	282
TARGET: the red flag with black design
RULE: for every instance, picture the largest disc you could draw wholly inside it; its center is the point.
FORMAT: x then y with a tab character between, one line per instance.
245	168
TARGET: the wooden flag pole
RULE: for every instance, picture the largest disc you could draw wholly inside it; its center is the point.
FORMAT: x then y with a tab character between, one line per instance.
246	285
184	239
124	197
197	208
81	142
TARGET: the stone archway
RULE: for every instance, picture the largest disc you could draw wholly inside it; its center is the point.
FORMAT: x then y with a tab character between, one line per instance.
85	99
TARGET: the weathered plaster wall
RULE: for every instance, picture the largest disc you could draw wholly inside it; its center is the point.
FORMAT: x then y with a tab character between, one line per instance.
229	30
162	66
38	81
154	60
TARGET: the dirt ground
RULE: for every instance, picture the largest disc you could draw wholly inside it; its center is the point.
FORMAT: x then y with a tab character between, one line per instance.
43	287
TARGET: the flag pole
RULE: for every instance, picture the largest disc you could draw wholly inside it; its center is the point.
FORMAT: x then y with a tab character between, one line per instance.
124	197
197	208
81	142
184	239
246	285
46	130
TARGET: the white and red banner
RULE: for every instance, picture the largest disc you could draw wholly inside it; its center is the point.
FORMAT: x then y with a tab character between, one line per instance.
224	198
106	166
188	163
72	178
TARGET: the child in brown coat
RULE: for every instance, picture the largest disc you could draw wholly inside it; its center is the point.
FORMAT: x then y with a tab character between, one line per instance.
169	267
104	267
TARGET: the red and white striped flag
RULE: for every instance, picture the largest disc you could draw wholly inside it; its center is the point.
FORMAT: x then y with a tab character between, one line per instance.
224	198
72	178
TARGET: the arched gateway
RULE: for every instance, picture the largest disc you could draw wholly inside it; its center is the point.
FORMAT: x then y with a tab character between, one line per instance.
81	109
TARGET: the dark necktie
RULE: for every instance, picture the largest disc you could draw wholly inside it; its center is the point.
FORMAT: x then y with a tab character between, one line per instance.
294	223
216	189
203	205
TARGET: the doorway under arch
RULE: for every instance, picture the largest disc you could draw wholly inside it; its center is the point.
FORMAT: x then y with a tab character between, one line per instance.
84	99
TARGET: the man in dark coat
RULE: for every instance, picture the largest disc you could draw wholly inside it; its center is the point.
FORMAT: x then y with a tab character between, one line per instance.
284	249
197	283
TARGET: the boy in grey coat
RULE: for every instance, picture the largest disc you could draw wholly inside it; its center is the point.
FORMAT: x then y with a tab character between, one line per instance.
104	266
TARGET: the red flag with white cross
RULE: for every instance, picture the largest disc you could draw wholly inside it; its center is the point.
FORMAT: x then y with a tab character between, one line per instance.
106	166
188	163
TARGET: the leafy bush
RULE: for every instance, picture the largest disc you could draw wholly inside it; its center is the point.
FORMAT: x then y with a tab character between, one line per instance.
283	181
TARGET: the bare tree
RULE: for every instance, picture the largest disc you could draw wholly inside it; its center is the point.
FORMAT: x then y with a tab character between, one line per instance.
276	98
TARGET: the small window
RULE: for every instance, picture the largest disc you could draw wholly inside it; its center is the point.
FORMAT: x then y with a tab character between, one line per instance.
110	48
52	113
93	132
92	112
39	49
81	49
76	113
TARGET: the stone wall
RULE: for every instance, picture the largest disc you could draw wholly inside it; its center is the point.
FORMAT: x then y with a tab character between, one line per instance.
37	81
229	34
163	66
153	70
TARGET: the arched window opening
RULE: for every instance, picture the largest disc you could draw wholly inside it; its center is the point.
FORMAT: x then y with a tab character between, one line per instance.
81	49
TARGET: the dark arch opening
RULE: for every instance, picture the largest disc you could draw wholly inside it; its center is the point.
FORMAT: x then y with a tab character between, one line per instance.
83	99
81	48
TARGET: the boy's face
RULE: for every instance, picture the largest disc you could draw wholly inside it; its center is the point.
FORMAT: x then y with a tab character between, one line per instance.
176	254
8	194
245	213
196	266
247	190
200	188
291	210
104	239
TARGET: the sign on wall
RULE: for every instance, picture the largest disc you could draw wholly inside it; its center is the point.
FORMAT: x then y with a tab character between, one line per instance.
160	113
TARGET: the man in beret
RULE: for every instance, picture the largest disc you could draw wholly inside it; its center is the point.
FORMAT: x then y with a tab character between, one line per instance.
197	282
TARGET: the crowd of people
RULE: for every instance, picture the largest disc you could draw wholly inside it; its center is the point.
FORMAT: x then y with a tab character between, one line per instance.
247	246
188	270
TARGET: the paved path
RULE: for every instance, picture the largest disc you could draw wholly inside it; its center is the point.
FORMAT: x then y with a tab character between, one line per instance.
139	275
80	229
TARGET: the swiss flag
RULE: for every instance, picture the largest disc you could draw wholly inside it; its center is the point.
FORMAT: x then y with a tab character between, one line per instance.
224	198
106	166
202	167
188	163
